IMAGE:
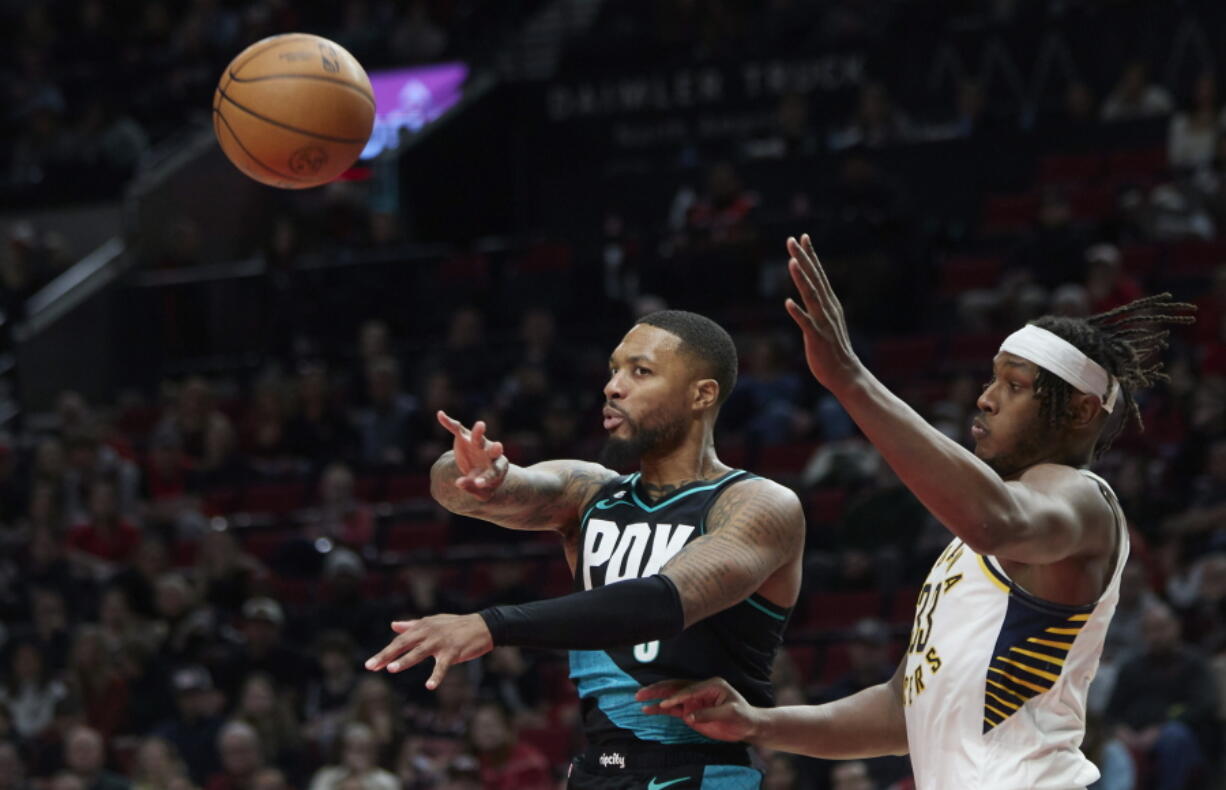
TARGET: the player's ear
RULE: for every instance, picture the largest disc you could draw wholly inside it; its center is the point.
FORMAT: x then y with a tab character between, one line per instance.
1083	409
706	393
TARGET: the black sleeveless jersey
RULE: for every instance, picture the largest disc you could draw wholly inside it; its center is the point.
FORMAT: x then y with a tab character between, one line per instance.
622	537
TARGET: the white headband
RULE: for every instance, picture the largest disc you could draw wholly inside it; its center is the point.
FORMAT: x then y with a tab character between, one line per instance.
1053	353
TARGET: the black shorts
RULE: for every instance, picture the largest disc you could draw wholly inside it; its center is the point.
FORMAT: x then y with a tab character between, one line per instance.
640	767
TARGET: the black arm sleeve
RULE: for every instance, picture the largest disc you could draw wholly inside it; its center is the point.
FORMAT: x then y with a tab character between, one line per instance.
617	615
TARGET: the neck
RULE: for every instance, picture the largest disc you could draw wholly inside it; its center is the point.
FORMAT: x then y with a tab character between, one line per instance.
693	459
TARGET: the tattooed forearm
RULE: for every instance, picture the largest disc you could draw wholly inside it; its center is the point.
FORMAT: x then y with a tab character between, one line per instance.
547	495
755	528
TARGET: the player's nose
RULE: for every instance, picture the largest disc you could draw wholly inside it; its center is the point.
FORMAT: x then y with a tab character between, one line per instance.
614	388
985	402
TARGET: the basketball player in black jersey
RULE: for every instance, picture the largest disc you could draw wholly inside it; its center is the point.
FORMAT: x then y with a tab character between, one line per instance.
686	568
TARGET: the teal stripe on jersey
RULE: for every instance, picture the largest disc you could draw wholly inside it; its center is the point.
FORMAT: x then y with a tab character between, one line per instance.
730	777
764	610
599	677
682	494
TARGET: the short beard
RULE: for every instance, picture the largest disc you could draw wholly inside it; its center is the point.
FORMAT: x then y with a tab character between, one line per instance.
1035	443
627	453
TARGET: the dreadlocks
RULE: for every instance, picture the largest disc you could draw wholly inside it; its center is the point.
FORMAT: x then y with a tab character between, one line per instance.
1125	341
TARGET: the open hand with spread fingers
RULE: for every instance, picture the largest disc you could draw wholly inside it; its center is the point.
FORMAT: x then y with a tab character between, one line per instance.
481	462
449	638
827	344
710	707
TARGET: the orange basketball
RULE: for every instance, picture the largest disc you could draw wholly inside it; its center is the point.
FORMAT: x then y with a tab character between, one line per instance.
293	111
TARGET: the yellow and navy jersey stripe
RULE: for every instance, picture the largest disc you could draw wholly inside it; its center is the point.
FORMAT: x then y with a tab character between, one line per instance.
1031	648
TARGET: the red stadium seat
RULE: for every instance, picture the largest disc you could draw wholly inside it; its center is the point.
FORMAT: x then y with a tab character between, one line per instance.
274	498
368	488
1194	257
1136	166
1010	213
785	459
1139	259
904	357
405	487
829	610
1092	203
825	506
1061	169
411	536
965	273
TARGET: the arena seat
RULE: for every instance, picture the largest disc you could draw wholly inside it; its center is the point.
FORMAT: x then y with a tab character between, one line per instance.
408	536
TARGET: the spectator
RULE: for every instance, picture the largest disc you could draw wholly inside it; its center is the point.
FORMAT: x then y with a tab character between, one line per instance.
875	123
225	572
157	766
186	627
506	762
264	436
781	773
168	484
262	648
49	611
105	539
318	430
194	729
345	604
30	691
327	695
269	779
1115	763
85	755
197	423
417	38
1136	97
383	425
768	395
358	764
1164	702
12	767
273	720
90	461
1191	141
510	678
238	746
375	704
340	517
1107	284
95	681
851	775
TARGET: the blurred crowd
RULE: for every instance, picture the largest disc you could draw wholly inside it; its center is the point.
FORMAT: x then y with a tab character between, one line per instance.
191	573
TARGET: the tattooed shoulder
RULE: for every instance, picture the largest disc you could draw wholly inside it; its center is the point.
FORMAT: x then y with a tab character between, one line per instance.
765	510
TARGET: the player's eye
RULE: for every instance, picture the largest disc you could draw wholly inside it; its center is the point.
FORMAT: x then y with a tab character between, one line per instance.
642	371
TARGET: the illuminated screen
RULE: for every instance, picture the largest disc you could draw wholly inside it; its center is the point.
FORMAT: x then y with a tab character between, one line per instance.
411	99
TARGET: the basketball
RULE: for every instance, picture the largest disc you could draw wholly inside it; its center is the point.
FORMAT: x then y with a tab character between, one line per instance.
293	111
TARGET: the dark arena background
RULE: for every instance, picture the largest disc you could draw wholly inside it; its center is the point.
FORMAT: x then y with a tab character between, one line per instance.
217	397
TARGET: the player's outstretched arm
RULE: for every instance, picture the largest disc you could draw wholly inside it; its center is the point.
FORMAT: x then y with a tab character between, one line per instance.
867	724
755	528
475	479
1050	513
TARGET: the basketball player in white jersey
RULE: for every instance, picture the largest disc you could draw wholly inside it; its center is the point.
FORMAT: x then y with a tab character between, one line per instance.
1009	625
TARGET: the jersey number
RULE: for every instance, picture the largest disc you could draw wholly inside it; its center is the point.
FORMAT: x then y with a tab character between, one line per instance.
647	651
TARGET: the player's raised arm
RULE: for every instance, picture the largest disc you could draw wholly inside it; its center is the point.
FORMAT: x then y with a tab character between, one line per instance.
869	723
475	479
1048	513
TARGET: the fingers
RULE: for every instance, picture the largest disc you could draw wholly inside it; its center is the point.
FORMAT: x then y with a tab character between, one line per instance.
805	286
478	435
703	715
453	426
394	649
442	662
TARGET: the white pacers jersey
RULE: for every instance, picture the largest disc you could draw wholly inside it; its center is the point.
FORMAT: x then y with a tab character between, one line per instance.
996	679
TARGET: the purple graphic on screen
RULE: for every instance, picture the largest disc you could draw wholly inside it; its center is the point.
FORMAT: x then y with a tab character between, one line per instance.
410	99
